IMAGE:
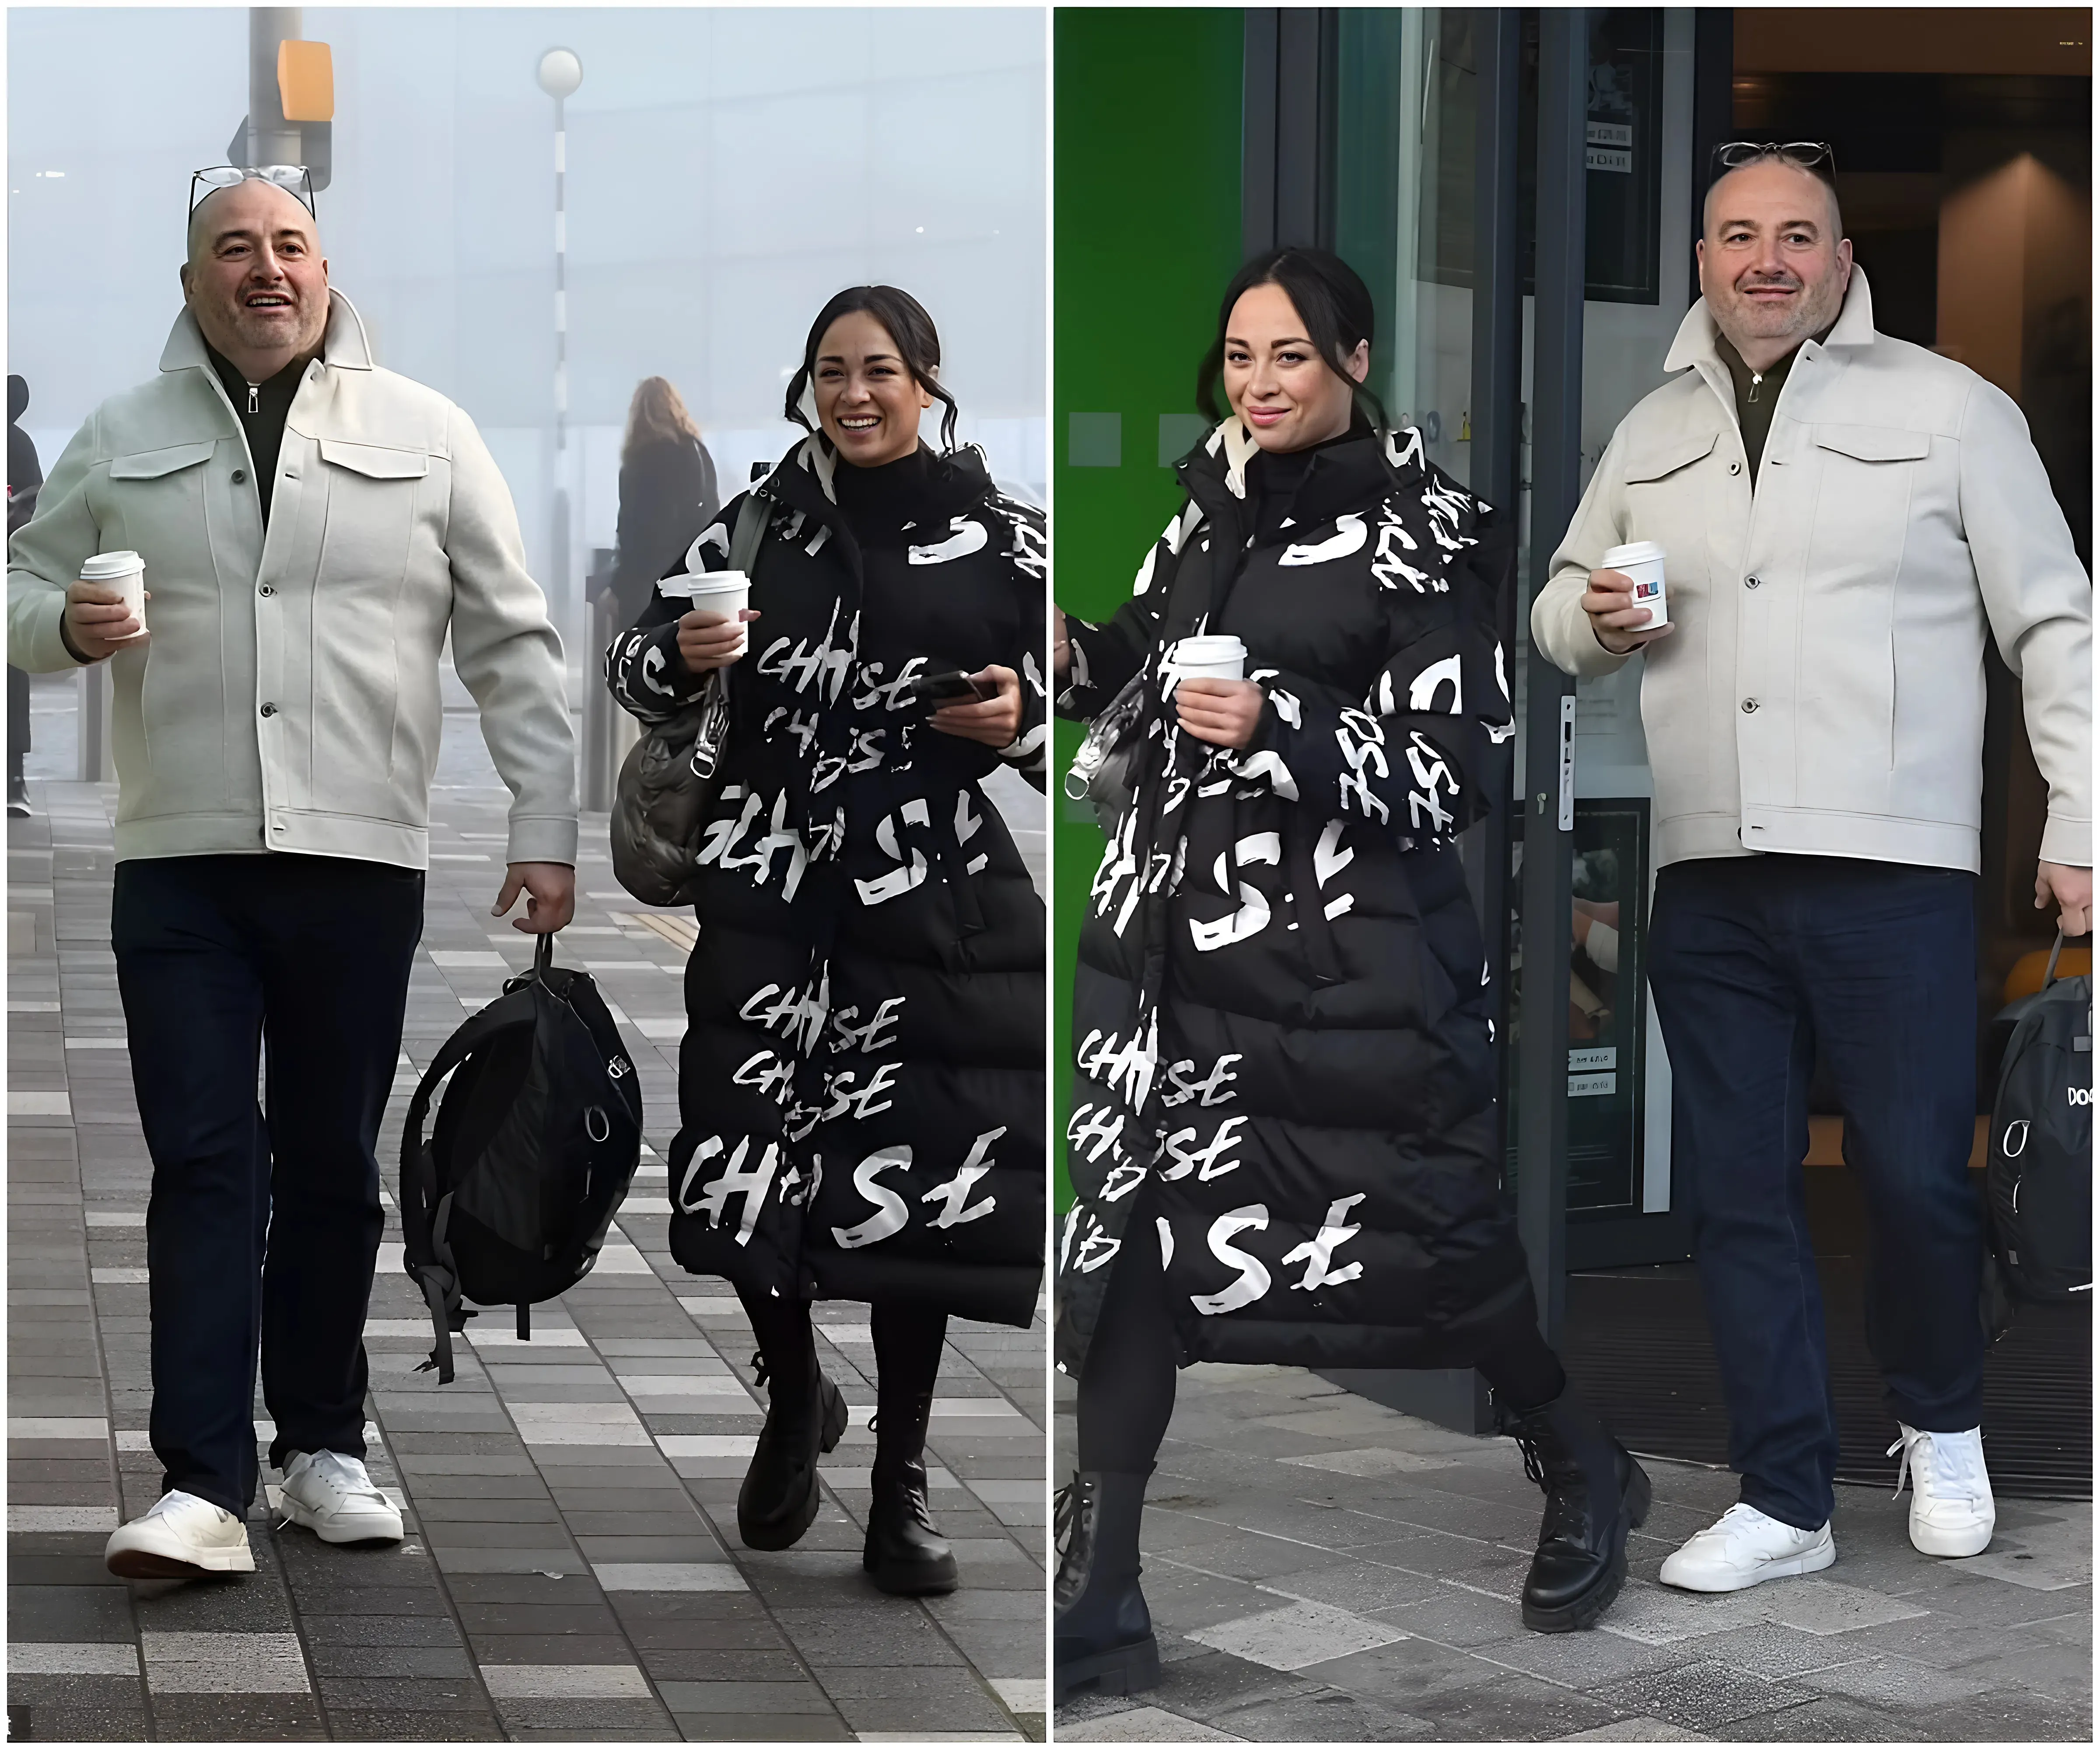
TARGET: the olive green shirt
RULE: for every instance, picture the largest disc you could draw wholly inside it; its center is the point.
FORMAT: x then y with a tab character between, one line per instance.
1757	394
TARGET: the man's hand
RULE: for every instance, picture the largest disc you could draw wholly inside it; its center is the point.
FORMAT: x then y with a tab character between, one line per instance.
551	897
1224	713
1613	618
97	622
1060	652
707	641
994	721
2069	890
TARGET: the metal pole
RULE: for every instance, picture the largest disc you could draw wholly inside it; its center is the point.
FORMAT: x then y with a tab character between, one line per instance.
1496	413
271	139
1556	453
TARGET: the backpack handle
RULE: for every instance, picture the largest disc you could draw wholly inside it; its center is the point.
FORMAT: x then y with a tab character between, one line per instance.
543	954
2049	973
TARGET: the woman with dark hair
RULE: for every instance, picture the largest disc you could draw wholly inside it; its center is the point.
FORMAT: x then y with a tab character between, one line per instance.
667	490
861	1079
1283	1136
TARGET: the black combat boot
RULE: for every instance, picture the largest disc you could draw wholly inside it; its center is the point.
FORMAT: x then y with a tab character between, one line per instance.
1104	1631
805	1417
903	1554
1595	1494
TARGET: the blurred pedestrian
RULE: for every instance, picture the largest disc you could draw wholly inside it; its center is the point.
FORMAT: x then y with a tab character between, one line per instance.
1845	519
25	474
861	1080
667	490
277	720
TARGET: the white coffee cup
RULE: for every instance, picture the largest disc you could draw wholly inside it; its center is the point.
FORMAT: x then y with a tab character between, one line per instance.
1640	563
727	593
1209	656
125	572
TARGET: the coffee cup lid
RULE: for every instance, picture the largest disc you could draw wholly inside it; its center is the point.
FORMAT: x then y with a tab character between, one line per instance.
1634	552
106	565
714	582
1209	646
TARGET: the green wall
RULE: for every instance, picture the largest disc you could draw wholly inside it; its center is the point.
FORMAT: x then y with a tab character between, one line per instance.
1147	205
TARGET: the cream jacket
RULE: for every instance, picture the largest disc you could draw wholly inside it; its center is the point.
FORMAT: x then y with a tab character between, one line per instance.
288	698
1822	692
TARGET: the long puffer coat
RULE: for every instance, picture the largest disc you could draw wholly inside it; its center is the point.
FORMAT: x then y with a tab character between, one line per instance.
1281	1008
861	1080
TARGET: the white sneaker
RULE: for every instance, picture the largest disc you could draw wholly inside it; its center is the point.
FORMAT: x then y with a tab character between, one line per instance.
333	1497
181	1536
1744	1547
1951	1510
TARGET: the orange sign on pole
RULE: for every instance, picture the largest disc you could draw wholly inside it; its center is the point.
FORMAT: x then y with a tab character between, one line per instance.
306	81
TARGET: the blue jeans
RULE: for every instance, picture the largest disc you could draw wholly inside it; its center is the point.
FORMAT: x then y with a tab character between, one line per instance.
1755	964
263	1227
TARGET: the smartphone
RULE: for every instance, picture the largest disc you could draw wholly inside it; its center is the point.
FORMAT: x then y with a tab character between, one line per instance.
953	688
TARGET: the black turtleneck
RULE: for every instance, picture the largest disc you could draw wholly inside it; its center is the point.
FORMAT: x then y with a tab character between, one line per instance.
262	409
1277	475
877	502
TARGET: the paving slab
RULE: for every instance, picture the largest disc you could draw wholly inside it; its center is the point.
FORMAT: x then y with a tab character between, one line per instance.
1320	1569
570	1574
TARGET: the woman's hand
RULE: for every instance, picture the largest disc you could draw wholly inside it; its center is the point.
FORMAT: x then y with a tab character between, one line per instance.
994	721
1060	652
1222	712
707	641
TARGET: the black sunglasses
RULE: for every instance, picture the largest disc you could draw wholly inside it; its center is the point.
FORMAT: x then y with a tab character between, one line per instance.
294	178
1809	154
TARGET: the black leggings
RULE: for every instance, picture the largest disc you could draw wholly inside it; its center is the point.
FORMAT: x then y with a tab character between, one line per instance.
907	1352
1126	1386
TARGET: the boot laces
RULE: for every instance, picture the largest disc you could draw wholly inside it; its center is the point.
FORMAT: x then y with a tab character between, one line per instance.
1066	1507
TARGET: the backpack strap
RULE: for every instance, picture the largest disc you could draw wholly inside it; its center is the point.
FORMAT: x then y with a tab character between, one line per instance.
753	517
425	1255
2049	973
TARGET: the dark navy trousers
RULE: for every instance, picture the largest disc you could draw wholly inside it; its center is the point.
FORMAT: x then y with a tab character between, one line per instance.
1757	963
264	1223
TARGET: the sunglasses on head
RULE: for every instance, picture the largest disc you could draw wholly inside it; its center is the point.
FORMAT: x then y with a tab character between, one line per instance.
1809	154
294	178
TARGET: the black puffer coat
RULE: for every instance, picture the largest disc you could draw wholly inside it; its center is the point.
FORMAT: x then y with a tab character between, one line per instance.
1281	1008
861	1082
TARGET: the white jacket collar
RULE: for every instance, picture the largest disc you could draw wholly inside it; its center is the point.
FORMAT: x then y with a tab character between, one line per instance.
1694	345
344	346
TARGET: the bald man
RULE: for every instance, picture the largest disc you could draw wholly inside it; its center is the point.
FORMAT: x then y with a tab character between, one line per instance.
1847	518
312	527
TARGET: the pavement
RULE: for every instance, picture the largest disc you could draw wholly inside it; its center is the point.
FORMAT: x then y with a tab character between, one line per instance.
571	1570
1321	1569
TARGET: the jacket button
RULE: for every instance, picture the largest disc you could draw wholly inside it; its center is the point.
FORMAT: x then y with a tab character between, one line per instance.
239	476
1749	706
1735	468
1751	582
269	589
271	711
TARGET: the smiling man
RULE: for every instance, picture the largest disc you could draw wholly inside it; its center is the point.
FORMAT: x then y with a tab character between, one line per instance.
312	528
1847	520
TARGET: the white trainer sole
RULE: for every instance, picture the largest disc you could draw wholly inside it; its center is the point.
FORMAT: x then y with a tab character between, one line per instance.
144	1556
1941	1540
1809	1562
366	1528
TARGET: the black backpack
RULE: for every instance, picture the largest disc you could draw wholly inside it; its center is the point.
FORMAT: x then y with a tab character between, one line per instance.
2038	1179
537	1137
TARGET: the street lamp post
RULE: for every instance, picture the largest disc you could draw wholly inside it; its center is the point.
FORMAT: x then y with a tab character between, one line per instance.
560	74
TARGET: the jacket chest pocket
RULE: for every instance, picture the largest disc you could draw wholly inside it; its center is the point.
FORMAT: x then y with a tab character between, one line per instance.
158	493
374	495
1865	478
1668	495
